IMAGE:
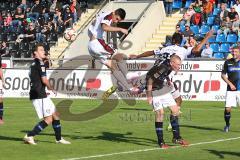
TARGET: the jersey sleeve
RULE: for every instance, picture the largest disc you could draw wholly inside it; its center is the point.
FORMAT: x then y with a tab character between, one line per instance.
157	52
225	68
106	20
42	70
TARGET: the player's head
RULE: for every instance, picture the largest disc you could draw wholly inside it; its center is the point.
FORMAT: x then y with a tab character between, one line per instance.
236	52
177	38
175	62
118	15
39	51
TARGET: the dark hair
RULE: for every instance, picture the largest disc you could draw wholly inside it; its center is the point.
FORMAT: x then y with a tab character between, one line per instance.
177	38
121	13
38	45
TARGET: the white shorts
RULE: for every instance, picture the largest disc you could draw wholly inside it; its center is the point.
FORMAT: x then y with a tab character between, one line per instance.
174	91
97	51
44	107
232	98
163	98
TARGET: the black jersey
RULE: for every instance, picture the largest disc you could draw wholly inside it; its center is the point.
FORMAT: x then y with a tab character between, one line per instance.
37	71
232	69
158	74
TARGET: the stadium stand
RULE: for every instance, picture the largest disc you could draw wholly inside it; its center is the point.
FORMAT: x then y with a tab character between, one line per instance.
25	23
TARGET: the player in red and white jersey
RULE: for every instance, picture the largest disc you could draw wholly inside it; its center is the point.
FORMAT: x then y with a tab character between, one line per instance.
98	49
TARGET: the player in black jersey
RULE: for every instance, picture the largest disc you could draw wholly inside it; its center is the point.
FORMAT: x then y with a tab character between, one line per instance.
159	96
43	105
231	75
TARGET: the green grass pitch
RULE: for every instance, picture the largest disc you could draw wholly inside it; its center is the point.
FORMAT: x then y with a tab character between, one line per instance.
126	133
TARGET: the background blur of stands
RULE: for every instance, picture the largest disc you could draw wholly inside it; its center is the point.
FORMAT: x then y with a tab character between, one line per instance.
149	28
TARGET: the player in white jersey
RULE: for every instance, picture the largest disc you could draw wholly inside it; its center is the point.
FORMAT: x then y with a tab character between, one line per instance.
98	49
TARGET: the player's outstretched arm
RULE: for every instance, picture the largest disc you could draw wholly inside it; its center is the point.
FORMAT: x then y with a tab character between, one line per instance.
144	54
47	84
224	77
108	28
197	49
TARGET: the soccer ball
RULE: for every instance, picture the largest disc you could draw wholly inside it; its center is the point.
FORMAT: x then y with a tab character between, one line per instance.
70	34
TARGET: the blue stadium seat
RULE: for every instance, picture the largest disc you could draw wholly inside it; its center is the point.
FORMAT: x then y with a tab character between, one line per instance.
216	11
215	47
210	20
232	38
218	55
182	27
220	38
204	29
195	29
188	2
177	4
215	28
212	39
224	47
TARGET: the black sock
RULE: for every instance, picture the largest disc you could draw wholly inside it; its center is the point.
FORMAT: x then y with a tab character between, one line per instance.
38	128
159	131
227	116
57	129
1	110
175	126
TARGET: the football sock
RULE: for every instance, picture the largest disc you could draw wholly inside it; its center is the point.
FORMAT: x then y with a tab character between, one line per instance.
57	129
159	131
1	110
227	116
175	126
38	128
121	78
123	67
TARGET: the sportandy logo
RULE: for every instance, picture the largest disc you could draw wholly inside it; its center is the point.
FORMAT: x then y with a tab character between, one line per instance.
191	87
190	66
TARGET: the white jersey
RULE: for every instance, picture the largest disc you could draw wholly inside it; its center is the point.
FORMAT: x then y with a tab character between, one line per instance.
173	49
95	28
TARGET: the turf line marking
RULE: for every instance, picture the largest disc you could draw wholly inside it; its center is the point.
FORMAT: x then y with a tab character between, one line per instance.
150	149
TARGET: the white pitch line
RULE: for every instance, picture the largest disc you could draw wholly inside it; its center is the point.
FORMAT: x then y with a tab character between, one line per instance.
150	149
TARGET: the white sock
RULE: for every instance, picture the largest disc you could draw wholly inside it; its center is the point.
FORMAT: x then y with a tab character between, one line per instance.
123	67
121	78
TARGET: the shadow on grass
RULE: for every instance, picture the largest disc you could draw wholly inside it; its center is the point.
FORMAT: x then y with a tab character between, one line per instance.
221	154
202	128
119	137
8	138
136	109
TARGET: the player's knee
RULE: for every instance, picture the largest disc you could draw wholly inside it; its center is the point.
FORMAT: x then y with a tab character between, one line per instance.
175	110
227	109
119	57
179	101
48	119
159	113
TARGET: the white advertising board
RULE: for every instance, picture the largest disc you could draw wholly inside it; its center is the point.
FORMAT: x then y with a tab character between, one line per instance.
201	85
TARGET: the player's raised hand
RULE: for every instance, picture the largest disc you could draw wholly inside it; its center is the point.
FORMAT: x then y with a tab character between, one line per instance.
124	31
132	56
210	33
232	87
